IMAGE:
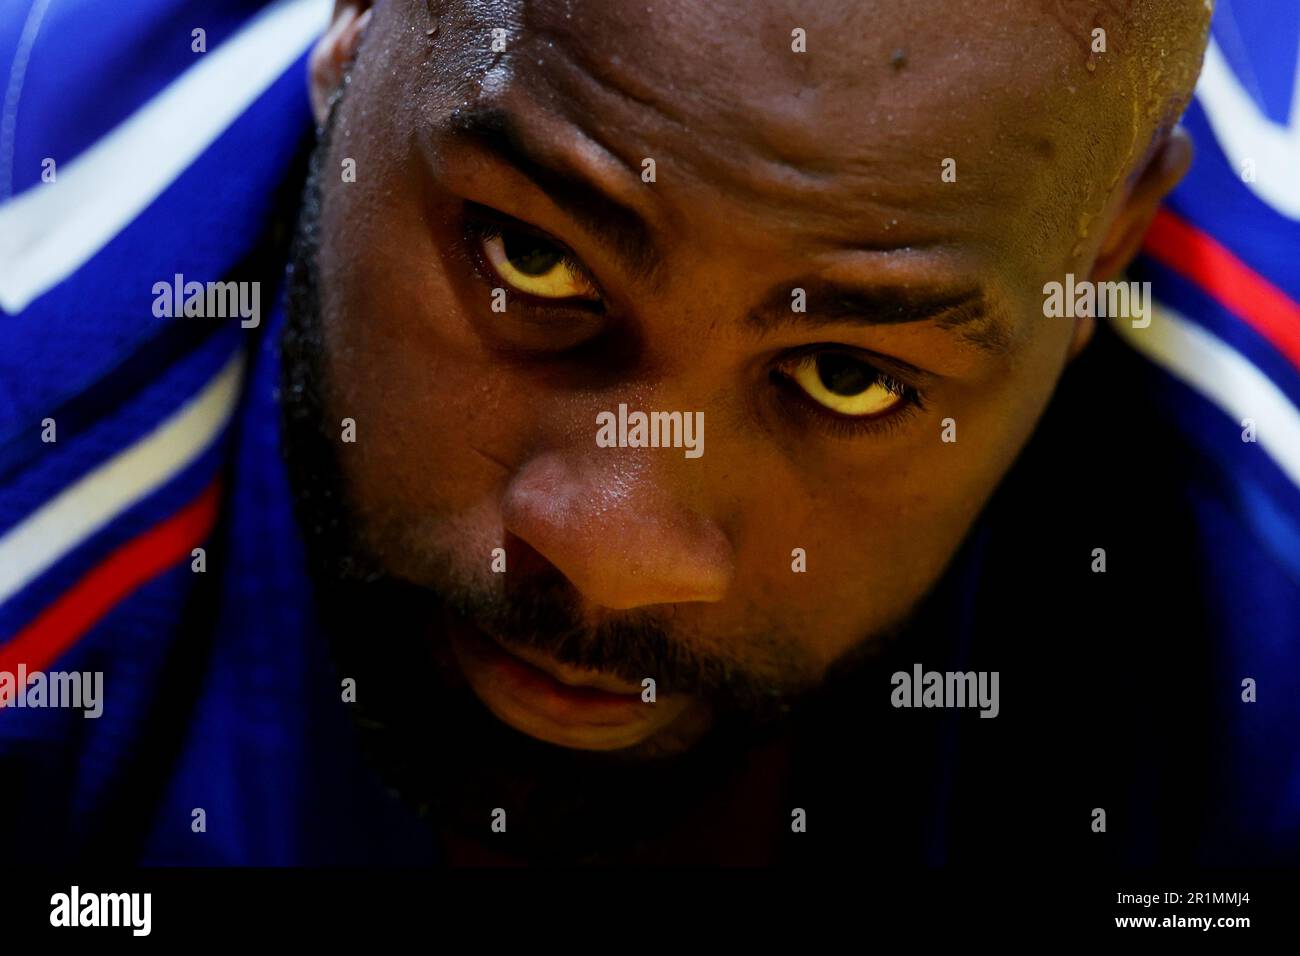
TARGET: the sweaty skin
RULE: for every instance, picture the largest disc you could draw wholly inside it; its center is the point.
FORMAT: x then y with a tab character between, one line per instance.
774	171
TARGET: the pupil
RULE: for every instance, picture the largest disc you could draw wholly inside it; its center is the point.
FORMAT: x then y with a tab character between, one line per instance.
844	375
530	255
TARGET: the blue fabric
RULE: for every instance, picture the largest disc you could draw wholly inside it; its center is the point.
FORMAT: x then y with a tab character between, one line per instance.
270	754
1259	40
266	748
65	107
200	227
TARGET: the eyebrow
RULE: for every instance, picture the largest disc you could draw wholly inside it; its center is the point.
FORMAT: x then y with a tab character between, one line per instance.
625	232
962	307
617	225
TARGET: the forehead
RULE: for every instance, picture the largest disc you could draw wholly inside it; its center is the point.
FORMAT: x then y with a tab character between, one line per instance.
848	139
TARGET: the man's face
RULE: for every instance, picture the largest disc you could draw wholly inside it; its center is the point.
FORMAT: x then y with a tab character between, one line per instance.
838	263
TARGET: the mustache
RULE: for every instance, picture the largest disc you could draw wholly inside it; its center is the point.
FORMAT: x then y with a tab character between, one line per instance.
546	616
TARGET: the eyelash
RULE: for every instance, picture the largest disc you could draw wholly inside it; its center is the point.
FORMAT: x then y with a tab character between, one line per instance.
480	229
849	426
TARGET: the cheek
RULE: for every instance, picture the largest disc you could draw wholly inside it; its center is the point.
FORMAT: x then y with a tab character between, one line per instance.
399	357
879	533
433	418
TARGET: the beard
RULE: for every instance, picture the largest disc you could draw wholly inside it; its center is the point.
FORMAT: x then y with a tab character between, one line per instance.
434	743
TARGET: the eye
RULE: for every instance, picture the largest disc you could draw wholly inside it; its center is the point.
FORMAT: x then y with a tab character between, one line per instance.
847	385
531	264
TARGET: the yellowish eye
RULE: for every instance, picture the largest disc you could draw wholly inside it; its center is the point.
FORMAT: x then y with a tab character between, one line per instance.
528	263
845	385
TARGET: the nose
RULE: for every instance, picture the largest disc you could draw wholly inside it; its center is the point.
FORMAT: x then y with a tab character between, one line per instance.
609	522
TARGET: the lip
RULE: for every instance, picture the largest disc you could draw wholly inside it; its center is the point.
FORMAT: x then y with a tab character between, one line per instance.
551	701
569	677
